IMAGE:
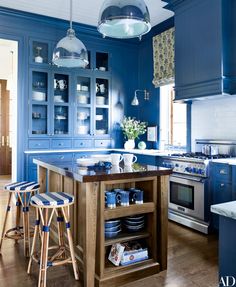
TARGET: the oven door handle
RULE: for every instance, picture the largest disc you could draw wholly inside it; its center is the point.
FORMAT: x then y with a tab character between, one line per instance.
188	177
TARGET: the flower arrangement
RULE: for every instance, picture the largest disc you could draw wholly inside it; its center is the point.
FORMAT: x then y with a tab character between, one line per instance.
133	128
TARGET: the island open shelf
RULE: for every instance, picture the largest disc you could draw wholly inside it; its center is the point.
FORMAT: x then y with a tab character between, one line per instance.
89	215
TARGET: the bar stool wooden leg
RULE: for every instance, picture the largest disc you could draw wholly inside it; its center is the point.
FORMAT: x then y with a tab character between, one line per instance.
44	251
36	232
18	217
71	246
60	225
5	220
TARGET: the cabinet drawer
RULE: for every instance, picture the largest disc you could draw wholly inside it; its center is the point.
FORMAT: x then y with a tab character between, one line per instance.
83	143
102	143
39	157
39	144
61	157
222	172
61	144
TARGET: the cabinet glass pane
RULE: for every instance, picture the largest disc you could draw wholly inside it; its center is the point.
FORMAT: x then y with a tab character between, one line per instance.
102	61
83	91
102	89
101	118
39	86
39	119
61	83
40	52
83	121
61	120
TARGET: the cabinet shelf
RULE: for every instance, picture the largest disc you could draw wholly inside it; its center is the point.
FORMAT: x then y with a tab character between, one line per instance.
125	236
138	266
122	211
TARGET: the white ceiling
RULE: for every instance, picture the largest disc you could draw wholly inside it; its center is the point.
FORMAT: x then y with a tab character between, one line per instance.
85	11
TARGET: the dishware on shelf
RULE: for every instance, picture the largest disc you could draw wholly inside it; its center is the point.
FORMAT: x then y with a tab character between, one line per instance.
100	100
55	84
102	88
38	96
112	223
58	99
38	84
83	130
84	88
100	132
78	87
134	228
102	68
112	229
60	117
122	198
62	84
38	58
99	117
110	199
36	115
82	99
82	115
111	234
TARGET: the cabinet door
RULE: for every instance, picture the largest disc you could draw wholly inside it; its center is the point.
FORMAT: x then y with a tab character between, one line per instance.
39	52
39	100
102	106
61	104
83	105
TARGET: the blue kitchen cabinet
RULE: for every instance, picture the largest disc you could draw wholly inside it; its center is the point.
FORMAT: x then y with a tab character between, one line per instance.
146	159
233	182
68	104
204	48
220	186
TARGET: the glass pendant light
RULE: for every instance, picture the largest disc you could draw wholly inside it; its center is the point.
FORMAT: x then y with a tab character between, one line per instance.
70	52
124	19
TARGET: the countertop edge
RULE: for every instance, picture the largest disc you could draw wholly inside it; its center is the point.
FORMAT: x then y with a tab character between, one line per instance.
227	209
103	177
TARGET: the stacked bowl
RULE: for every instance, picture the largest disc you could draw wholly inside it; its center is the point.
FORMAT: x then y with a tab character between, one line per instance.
112	228
134	223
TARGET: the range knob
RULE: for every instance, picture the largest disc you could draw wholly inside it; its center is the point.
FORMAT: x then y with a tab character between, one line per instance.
188	169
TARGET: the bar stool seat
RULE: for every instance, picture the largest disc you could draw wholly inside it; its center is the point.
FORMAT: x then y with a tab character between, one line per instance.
46	206
22	191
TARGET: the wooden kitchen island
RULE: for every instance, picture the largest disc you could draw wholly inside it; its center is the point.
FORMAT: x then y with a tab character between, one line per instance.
89	213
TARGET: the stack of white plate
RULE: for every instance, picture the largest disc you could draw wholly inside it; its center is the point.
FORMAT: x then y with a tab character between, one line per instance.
82	99
38	96
100	100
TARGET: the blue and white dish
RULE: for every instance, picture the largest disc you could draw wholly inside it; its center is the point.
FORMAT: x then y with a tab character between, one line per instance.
133	223
114	228
112	223
111	234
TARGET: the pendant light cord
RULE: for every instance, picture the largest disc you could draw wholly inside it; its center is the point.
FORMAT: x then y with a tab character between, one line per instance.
70	14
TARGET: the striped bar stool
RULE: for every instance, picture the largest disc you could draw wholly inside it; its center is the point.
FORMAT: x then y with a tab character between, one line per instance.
48	204
22	191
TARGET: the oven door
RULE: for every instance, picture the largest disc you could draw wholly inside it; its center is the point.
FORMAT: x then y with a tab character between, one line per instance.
186	195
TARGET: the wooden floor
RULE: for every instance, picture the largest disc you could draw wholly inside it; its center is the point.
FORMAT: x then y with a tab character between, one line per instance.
192	262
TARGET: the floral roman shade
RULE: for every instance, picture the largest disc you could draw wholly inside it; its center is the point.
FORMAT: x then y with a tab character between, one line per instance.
163	56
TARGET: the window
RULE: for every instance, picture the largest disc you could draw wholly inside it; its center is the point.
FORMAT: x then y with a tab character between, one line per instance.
173	126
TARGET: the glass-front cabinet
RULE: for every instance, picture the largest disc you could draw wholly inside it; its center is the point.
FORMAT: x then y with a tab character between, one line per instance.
68	103
39	91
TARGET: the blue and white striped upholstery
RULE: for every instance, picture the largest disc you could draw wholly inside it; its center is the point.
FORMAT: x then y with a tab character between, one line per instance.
22	186
52	199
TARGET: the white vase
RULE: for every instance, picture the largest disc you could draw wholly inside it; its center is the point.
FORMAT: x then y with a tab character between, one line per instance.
129	144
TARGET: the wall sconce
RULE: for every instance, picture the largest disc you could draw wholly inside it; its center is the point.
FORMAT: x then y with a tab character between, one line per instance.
135	101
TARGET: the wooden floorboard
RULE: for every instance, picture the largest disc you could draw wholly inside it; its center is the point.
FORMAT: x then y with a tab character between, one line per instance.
192	262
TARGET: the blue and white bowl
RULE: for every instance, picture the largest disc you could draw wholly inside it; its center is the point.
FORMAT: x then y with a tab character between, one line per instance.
112	223
114	228
111	234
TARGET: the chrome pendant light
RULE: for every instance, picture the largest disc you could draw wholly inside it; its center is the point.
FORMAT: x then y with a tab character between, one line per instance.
70	52
124	19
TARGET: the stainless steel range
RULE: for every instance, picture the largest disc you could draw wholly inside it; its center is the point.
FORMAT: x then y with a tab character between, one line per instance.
189	196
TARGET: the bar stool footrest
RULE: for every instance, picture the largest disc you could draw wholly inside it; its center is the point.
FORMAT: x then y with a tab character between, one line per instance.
18	233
